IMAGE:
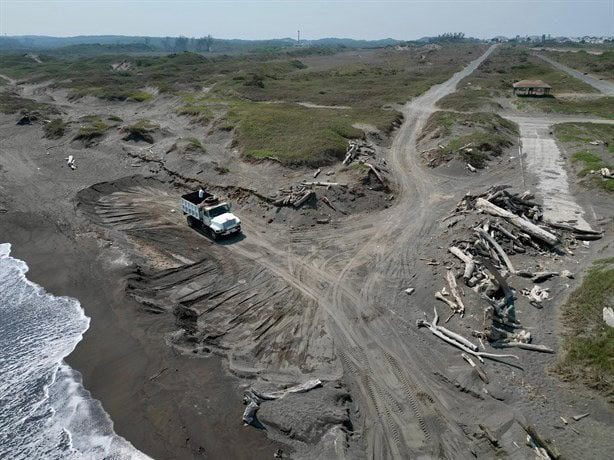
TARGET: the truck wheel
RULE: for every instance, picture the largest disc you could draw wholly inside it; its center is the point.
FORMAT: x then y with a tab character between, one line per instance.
214	235
191	222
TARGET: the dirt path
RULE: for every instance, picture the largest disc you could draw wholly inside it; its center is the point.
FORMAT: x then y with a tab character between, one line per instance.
8	79
545	160
605	87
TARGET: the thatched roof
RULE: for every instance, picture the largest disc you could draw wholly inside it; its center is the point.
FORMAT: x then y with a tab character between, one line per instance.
531	84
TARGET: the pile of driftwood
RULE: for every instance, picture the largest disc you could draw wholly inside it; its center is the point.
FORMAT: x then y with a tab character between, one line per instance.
606	173
293	196
438	155
357	149
513	223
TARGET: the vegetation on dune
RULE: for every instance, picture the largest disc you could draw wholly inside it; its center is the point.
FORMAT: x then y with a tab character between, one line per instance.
470	100
593	163
194	145
299	135
508	64
187	145
601	65
92	128
11	103
583	133
142	130
591	157
198	107
55	128
601	107
375	78
483	134
589	342
364	80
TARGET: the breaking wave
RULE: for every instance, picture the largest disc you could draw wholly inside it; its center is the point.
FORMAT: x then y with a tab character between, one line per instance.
45	412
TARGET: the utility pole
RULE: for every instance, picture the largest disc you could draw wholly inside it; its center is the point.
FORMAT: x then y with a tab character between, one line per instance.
298	38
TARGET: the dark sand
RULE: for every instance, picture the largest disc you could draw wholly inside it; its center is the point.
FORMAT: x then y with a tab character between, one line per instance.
167	418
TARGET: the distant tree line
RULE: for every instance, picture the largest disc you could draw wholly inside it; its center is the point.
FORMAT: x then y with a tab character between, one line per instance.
451	37
181	43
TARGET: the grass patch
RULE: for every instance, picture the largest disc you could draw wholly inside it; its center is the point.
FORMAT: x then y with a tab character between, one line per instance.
589	342
593	162
11	103
583	133
221	170
55	128
299	135
469	100
196	107
507	65
364	80
142	130
187	145
601	65
485	134
194	145
592	157
115	118
601	107
92	128
371	79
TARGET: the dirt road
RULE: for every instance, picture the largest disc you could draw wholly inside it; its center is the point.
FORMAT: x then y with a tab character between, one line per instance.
605	87
360	288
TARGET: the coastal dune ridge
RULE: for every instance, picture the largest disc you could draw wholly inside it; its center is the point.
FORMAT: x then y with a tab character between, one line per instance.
45	412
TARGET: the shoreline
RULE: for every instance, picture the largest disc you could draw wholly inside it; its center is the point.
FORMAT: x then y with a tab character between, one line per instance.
165	417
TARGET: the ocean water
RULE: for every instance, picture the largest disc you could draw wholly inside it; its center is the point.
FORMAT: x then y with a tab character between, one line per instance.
45	412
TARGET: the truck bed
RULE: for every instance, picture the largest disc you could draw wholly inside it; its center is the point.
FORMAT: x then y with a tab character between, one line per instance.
193	197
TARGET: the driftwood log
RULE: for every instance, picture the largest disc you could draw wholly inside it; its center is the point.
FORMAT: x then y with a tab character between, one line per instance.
524	346
467	259
517	221
349	156
508	263
452	305
377	174
477	368
306	196
552	450
323	184
451	276
436	331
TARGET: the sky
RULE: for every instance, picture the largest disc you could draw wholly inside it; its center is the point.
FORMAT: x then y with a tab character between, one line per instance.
256	19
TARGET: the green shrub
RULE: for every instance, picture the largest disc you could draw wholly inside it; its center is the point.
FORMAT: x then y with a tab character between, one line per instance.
55	129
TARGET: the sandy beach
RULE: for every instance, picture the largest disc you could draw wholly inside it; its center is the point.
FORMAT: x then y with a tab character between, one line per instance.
192	404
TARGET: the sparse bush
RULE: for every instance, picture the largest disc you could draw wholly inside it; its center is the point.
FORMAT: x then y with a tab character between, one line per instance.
92	129
55	129
142	130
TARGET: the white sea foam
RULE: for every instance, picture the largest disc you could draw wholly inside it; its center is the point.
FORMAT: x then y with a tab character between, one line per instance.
45	412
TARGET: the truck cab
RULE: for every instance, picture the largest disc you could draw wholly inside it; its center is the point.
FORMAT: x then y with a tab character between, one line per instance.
204	209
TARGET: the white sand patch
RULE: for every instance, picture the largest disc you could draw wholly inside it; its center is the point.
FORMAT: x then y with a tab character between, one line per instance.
310	105
543	159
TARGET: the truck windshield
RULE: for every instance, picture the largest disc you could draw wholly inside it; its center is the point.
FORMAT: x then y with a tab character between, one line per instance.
218	211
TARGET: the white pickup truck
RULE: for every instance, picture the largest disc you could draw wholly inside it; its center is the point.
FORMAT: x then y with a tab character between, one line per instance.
204	209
